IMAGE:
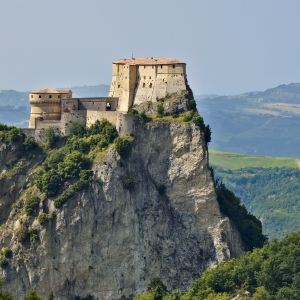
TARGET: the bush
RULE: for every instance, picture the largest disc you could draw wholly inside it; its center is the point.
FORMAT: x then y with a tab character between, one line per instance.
174	112
33	234
14	134
33	296
3	263
77	129
29	143
50	136
6	252
198	120
72	165
132	111
54	159
143	117
128	183
189	116
123	145
105	128
160	110
42	218
22	234
31	204
192	104
74	143
51	182
207	134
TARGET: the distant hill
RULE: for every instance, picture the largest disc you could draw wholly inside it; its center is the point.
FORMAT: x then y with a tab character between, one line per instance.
267	186
91	91
259	123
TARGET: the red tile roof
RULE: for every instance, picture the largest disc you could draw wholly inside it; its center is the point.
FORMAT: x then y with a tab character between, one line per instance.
148	61
50	91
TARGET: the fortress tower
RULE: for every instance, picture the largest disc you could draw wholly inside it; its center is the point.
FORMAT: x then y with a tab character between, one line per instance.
139	80
46	103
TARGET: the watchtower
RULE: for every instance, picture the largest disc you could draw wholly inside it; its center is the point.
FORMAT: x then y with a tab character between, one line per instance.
46	103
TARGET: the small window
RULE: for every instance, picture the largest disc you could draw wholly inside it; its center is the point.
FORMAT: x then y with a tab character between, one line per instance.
152	67
118	86
144	84
58	96
50	96
40	96
144	67
144	77
149	77
150	86
31	96
161	66
173	66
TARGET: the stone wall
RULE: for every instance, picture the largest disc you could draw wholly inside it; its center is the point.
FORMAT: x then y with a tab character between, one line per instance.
137	84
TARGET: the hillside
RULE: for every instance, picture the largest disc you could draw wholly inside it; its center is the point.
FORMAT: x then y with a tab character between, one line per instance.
256	123
98	214
267	186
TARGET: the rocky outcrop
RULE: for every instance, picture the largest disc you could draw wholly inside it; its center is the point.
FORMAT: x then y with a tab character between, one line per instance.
108	241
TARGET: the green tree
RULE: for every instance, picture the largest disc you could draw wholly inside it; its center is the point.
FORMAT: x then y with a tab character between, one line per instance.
77	129
31	204
51	182
123	145
160	110
33	295
50	136
29	143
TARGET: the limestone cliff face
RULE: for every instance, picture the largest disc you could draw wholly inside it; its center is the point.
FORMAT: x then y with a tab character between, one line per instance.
109	242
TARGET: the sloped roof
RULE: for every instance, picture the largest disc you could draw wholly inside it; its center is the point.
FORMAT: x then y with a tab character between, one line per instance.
50	91
45	91
64	91
148	61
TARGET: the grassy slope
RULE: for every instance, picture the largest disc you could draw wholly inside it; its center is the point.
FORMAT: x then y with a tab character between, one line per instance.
233	161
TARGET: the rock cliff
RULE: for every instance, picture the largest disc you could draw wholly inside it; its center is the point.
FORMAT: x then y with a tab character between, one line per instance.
108	241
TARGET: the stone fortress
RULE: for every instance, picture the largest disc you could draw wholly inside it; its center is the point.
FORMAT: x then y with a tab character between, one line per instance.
134	82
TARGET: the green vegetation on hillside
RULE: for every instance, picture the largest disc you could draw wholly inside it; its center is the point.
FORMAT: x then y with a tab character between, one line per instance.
233	161
262	123
269	273
271	194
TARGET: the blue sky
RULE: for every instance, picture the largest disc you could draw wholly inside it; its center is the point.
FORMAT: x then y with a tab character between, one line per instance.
229	46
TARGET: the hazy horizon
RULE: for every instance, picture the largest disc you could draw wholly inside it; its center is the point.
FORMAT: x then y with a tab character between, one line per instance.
229	47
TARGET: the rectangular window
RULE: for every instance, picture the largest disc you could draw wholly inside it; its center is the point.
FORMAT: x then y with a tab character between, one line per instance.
40	96
50	96
58	96
31	96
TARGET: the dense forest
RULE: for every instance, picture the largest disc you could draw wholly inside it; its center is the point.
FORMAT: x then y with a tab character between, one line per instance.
270	194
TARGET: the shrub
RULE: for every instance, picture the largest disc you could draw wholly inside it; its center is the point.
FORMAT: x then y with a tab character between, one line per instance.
174	112
33	296
143	117
192	104
42	218
33	234
22	234
3	263
72	165
189	116
128	183
51	182
31	204
29	143
160	110
161	189
132	111
54	159
6	252
105	128
123	145
207	134
75	143
14	134
198	120
50	136
86	175
77	129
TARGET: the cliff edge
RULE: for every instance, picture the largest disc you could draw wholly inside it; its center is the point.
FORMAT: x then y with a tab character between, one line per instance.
109	241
